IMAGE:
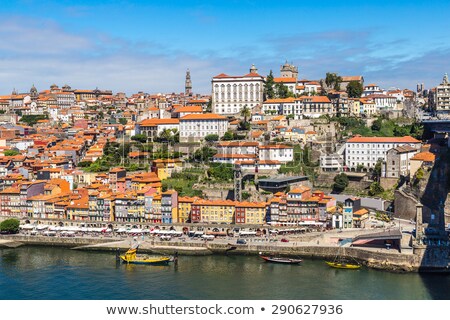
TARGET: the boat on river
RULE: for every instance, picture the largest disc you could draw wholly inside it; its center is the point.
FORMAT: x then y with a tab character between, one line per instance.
281	260
340	262
131	257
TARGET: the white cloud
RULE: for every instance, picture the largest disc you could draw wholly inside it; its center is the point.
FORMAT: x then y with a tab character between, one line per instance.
41	52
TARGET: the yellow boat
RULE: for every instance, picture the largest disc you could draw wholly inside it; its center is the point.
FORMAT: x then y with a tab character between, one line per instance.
341	265
131	257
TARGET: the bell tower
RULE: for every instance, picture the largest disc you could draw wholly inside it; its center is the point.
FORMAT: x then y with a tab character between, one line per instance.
188	84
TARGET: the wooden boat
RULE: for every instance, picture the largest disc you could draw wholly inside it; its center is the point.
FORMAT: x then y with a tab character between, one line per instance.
131	257
281	260
342	265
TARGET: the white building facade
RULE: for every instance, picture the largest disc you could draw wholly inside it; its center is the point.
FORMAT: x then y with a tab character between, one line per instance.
231	93
366	151
197	126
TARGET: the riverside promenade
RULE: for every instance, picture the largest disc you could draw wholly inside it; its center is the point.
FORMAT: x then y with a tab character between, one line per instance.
320	246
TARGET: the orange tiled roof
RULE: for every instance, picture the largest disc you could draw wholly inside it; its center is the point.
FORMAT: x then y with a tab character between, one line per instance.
286	100
405	139
424	156
156	122
285	80
203	116
189	109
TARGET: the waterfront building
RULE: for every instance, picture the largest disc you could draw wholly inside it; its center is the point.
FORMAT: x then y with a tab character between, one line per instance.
78	209
359	217
296	205
209	211
10	202
351	205
195	127
169	206
185	208
366	151
250	212
231	93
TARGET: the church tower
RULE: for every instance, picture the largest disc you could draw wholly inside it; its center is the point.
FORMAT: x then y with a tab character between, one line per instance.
289	71
33	93
188	84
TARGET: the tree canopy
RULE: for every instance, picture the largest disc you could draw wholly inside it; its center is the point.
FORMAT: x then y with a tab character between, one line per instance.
212	137
269	91
333	80
10	226
10	153
354	89
340	182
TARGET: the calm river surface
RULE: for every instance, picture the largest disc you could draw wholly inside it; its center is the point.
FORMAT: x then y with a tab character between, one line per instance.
57	273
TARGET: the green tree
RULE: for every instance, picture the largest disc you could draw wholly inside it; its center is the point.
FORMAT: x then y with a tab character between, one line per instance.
306	155
204	154
10	153
227	136
375	189
221	171
10	226
245	112
354	89
123	121
269	91
84	164
212	137
377	124
377	170
333	80
340	182
139	138
209	106
283	91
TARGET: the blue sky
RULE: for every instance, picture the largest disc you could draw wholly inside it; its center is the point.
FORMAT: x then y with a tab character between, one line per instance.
147	46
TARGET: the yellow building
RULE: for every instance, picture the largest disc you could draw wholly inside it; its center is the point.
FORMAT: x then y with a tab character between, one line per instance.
78	209
217	211
250	212
354	107
146	179
165	167
184	208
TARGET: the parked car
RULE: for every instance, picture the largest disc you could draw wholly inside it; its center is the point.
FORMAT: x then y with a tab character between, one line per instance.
241	241
284	240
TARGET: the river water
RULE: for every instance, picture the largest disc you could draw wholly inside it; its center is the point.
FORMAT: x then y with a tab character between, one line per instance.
47	273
